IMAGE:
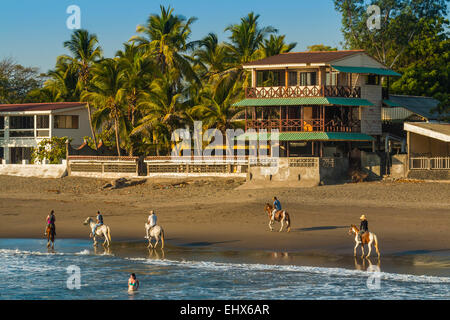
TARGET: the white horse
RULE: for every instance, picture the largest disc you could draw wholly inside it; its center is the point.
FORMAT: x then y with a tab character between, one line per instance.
103	232
156	232
368	238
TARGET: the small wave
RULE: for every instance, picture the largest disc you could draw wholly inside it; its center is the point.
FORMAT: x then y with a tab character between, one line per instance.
219	266
84	252
25	252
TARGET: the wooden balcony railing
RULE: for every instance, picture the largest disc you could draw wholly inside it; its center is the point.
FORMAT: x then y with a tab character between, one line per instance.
303	125
303	91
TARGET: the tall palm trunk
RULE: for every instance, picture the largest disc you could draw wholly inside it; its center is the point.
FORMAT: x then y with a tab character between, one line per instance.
94	137
116	127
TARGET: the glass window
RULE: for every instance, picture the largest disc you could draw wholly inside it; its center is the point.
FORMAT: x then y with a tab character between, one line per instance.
42	122
270	78
2	123
292	78
19	122
331	78
373	79
66	122
307	78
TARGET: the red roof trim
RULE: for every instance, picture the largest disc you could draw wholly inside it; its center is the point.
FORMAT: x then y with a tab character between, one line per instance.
39	106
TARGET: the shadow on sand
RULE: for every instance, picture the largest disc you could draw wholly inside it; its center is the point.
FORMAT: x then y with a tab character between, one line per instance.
320	228
205	243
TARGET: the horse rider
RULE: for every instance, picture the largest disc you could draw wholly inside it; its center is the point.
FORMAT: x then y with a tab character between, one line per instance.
99	223
151	222
51	222
363	228
276	207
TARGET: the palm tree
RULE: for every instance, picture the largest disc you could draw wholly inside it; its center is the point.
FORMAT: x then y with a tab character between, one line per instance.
164	112
137	71
211	57
85	52
216	108
165	37
246	40
275	45
108	94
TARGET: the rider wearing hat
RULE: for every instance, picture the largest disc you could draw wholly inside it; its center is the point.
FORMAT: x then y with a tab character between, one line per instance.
364	227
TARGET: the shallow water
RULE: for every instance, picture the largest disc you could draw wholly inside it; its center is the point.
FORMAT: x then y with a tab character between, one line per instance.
29	271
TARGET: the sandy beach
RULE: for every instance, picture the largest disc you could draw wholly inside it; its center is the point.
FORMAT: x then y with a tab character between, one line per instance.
408	217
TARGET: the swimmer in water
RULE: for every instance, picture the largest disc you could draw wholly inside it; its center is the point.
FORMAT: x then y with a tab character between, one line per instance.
133	283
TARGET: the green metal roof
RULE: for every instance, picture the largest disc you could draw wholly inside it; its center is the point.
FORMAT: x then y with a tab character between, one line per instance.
419	105
308	136
267	102
380	71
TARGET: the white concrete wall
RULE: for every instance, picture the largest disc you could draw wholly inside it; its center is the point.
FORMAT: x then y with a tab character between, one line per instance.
371	116
34	170
76	135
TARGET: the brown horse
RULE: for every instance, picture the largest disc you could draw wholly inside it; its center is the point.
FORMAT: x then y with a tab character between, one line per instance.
368	238
280	216
51	233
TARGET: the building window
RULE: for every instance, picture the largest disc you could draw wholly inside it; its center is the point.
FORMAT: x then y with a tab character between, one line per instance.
2	123
66	122
25	122
292	78
42	122
308	78
373	80
332	78
272	78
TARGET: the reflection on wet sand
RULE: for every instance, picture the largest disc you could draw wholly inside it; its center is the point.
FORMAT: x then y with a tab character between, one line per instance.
370	266
154	254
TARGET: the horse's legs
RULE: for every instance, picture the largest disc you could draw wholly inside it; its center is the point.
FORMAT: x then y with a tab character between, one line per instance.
362	249
157	241
270	224
150	243
356	246
370	248
282	225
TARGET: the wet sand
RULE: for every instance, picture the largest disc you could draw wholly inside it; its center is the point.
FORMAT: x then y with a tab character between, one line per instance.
408	217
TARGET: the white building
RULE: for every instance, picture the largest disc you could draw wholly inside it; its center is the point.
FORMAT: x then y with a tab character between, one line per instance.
23	126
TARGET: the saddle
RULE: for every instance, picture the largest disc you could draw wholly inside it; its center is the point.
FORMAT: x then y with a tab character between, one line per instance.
278	215
365	237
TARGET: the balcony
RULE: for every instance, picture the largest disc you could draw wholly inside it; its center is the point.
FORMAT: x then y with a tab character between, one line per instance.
305	125
303	91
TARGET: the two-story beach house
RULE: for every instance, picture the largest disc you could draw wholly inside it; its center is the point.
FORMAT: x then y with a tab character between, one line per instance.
323	104
23	126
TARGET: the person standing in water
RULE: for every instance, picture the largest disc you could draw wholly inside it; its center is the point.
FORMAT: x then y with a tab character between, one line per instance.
133	283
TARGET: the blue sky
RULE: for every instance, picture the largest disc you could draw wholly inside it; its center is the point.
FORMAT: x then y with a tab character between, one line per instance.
32	31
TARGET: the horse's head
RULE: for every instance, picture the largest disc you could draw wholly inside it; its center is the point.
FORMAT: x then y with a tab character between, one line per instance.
268	208
353	229
87	221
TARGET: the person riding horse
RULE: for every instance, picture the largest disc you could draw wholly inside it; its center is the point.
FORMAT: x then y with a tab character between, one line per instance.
364	227
99	223
276	207
50	222
151	222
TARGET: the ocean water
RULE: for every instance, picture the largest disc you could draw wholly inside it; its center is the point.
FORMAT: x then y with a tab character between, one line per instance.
29	271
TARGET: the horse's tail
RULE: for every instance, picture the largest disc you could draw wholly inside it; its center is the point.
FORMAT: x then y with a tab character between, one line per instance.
288	220
162	238
376	244
108	233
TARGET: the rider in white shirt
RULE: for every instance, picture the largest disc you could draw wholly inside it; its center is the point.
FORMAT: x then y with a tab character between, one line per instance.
151	222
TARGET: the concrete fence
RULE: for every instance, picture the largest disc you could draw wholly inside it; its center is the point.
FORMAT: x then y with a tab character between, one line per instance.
102	167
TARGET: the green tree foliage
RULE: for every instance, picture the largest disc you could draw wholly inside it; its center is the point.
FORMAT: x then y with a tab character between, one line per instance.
412	39
321	47
53	149
17	81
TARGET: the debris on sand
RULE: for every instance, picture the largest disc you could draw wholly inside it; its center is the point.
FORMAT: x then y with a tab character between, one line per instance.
122	183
